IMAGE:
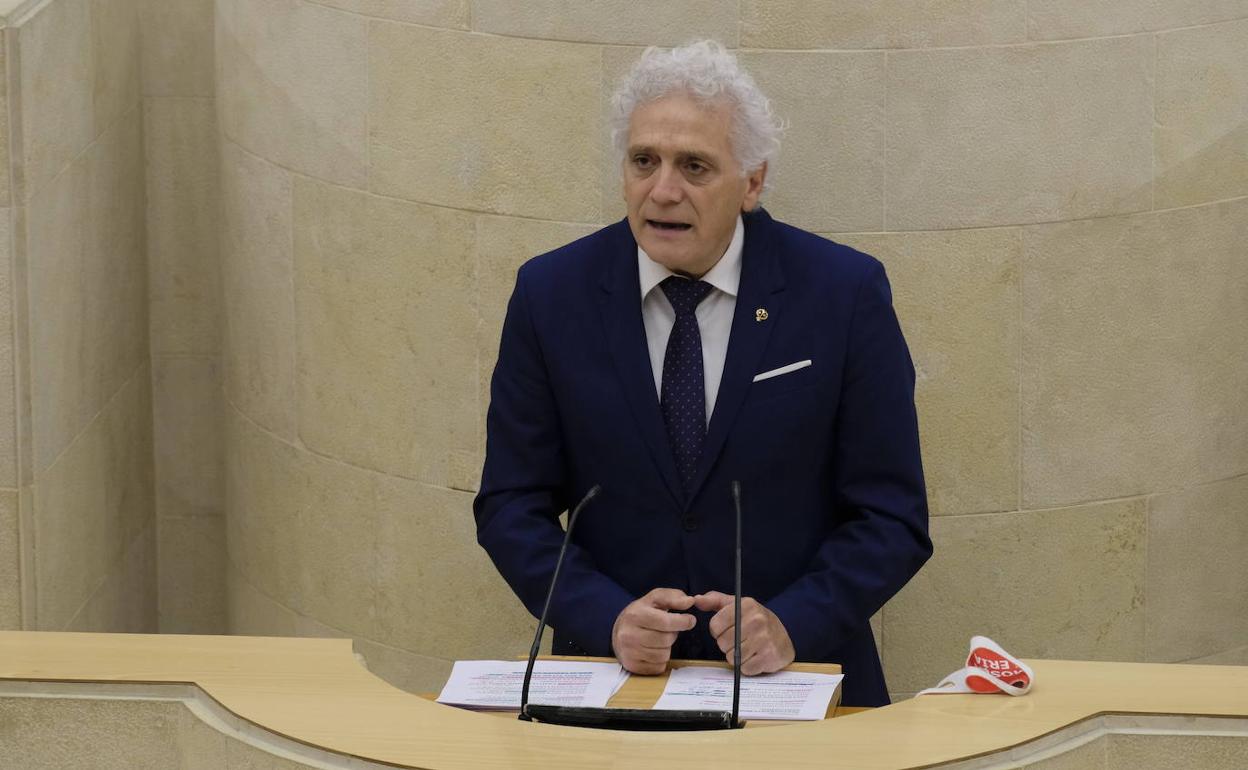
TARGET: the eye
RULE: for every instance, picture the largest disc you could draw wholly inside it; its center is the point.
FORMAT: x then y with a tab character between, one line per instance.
695	167
642	162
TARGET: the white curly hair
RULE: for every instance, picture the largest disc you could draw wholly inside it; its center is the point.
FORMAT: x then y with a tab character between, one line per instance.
710	73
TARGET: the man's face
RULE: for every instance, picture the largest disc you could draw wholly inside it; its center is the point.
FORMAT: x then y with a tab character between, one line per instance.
682	183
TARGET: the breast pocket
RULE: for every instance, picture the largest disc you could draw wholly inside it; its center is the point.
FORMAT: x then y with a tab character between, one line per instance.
779	381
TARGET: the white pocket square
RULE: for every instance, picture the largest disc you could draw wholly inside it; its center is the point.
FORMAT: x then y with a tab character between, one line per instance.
793	367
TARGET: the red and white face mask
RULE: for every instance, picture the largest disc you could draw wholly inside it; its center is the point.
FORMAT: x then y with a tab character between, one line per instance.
989	669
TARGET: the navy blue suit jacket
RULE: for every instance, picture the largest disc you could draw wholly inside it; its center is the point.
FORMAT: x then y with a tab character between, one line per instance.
834	504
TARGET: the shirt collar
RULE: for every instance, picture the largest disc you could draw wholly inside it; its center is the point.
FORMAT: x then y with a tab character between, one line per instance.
725	275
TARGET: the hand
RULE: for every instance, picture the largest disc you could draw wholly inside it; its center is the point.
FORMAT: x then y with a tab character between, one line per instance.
765	644
645	631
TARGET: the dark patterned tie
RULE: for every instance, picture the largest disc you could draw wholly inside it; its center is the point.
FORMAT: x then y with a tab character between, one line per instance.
682	395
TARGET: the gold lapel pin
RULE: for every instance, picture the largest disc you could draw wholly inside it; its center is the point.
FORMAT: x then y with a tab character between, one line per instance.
760	315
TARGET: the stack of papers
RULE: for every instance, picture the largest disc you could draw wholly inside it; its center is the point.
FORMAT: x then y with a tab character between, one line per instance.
782	695
496	684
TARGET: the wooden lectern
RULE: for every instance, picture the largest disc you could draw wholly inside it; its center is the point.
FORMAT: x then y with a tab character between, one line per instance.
219	703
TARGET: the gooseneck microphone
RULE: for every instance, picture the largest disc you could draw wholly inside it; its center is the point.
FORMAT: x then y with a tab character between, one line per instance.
736	610
634	719
541	622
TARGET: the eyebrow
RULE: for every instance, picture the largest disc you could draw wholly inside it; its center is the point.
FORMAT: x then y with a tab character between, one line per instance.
680	153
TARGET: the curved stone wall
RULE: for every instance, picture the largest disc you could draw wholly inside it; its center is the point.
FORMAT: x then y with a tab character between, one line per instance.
1058	189
78	530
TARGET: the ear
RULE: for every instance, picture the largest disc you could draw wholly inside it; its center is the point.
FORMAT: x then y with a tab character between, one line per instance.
754	187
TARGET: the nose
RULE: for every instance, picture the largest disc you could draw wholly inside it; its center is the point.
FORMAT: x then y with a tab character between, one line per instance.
667	187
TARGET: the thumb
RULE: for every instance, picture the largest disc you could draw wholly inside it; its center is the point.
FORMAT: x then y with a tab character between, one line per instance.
712	601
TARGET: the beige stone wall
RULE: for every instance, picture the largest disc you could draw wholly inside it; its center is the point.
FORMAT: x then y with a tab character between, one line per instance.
183	229
1058	189
10	531
77	541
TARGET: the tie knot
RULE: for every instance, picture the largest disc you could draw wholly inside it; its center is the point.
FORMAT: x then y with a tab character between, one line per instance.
684	294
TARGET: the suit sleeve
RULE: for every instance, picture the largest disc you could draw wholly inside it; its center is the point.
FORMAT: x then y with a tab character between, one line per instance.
877	538
524	489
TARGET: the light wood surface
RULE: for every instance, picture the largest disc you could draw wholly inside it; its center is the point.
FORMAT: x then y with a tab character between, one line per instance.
314	691
642	692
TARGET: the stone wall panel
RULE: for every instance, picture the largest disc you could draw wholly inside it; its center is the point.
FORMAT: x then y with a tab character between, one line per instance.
252	613
386	310
189	424
293	85
1062	583
92	503
258	280
55	89
1130	383
438	594
1018	134
126	602
183	228
56	246
114	265
177	50
875	24
190	576
453	14
337	545
956	294
1197	611
10	327
829	175
1058	19
10	563
624	22
263	482
1202	114
115	60
1159	752
444	108
6	180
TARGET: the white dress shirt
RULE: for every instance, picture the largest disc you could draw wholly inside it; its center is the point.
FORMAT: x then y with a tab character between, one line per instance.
714	314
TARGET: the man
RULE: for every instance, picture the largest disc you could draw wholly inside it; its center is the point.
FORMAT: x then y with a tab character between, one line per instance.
699	343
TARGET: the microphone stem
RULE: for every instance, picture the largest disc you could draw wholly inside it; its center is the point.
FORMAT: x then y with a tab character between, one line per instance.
550	592
736	612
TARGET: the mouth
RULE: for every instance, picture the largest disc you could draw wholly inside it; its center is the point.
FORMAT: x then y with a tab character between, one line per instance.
670	227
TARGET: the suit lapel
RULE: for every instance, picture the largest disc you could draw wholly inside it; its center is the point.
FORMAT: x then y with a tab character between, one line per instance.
626	341
761	287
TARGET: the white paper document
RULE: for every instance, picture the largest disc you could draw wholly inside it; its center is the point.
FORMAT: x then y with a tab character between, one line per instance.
496	684
782	695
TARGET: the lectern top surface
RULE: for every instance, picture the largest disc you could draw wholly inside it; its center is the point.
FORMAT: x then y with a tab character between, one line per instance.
314	691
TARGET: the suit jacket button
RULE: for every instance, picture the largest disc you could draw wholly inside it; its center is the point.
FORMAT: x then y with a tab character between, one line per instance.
691	523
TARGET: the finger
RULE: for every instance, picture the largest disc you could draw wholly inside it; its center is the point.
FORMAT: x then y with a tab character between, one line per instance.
754	622
637	665
660	620
728	638
655	657
754	664
633	637
721	623
712	601
655	640
748	652
651	657
754	618
669	599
